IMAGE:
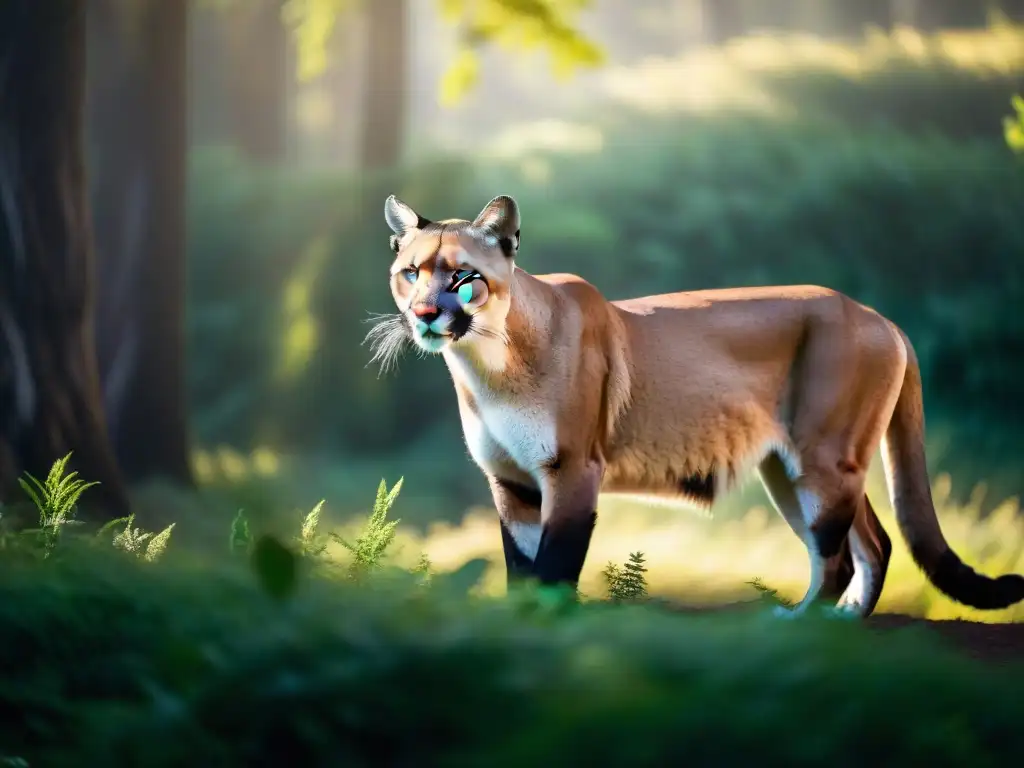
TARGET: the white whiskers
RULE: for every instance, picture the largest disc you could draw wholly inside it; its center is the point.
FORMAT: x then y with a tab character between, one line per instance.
388	338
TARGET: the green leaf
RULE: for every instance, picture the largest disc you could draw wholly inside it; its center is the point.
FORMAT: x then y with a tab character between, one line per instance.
158	544
311	523
109	526
461	76
241	539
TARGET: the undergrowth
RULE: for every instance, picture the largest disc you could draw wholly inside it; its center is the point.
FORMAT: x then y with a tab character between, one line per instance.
280	650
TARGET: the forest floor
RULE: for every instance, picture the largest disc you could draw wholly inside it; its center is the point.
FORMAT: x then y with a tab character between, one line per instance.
990	642
987	642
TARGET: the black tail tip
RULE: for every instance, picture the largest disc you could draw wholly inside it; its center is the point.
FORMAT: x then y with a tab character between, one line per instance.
965	585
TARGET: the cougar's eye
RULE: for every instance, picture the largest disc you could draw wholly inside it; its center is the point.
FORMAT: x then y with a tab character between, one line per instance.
410	274
463	275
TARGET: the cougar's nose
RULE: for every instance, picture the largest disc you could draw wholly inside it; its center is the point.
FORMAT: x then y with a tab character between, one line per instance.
426	313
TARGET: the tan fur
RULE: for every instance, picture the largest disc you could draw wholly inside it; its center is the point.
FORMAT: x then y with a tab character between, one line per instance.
565	393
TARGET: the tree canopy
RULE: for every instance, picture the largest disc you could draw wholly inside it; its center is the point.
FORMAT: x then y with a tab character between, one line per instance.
516	25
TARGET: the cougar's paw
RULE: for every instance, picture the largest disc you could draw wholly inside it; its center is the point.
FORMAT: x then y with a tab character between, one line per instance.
785	612
843	612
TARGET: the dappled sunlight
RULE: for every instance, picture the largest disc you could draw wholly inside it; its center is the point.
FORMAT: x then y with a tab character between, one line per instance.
701	560
301	334
224	464
692	557
715	78
560	136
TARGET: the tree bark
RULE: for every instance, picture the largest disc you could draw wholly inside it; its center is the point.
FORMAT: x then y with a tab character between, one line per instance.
138	126
387	84
50	402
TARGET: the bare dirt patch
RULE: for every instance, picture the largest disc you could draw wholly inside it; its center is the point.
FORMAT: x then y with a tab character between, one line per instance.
996	643
1000	643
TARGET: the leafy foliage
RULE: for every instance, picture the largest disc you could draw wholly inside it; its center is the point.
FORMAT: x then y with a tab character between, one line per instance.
146	545
194	666
369	547
240	540
513	24
311	543
1013	127
769	594
166	664
55	499
628	582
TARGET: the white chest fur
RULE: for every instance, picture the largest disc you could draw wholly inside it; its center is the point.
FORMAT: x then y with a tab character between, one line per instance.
503	438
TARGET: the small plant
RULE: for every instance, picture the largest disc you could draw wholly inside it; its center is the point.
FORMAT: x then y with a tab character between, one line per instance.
423	569
240	542
769	594
55	499
369	547
145	545
628	582
311	543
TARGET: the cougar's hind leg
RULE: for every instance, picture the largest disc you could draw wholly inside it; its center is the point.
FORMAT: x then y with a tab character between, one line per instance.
839	568
871	548
821	505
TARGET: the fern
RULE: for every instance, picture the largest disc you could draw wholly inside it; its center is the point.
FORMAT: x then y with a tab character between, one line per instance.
767	593
311	544
143	544
55	499
378	534
158	544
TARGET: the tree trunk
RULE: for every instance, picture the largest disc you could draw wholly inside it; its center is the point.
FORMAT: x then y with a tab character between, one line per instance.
256	63
386	88
50	401
138	120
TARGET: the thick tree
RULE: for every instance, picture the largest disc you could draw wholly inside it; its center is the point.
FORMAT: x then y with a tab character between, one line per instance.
50	401
138	110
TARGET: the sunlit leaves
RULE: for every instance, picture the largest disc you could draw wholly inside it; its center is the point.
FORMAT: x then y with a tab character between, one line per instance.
1013	127
313	23
519	26
461	76
514	25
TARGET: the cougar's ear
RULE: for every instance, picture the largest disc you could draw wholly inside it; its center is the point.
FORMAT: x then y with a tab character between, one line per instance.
500	219
402	219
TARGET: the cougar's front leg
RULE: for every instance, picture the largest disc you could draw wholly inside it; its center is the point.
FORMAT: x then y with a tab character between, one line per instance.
519	516
568	515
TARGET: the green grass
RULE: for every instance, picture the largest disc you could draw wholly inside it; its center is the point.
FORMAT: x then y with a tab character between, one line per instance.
275	651
112	661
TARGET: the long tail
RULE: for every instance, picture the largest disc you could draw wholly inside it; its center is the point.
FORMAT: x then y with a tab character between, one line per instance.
909	487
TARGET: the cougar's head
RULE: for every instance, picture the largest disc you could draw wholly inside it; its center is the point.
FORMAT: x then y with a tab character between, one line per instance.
451	279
